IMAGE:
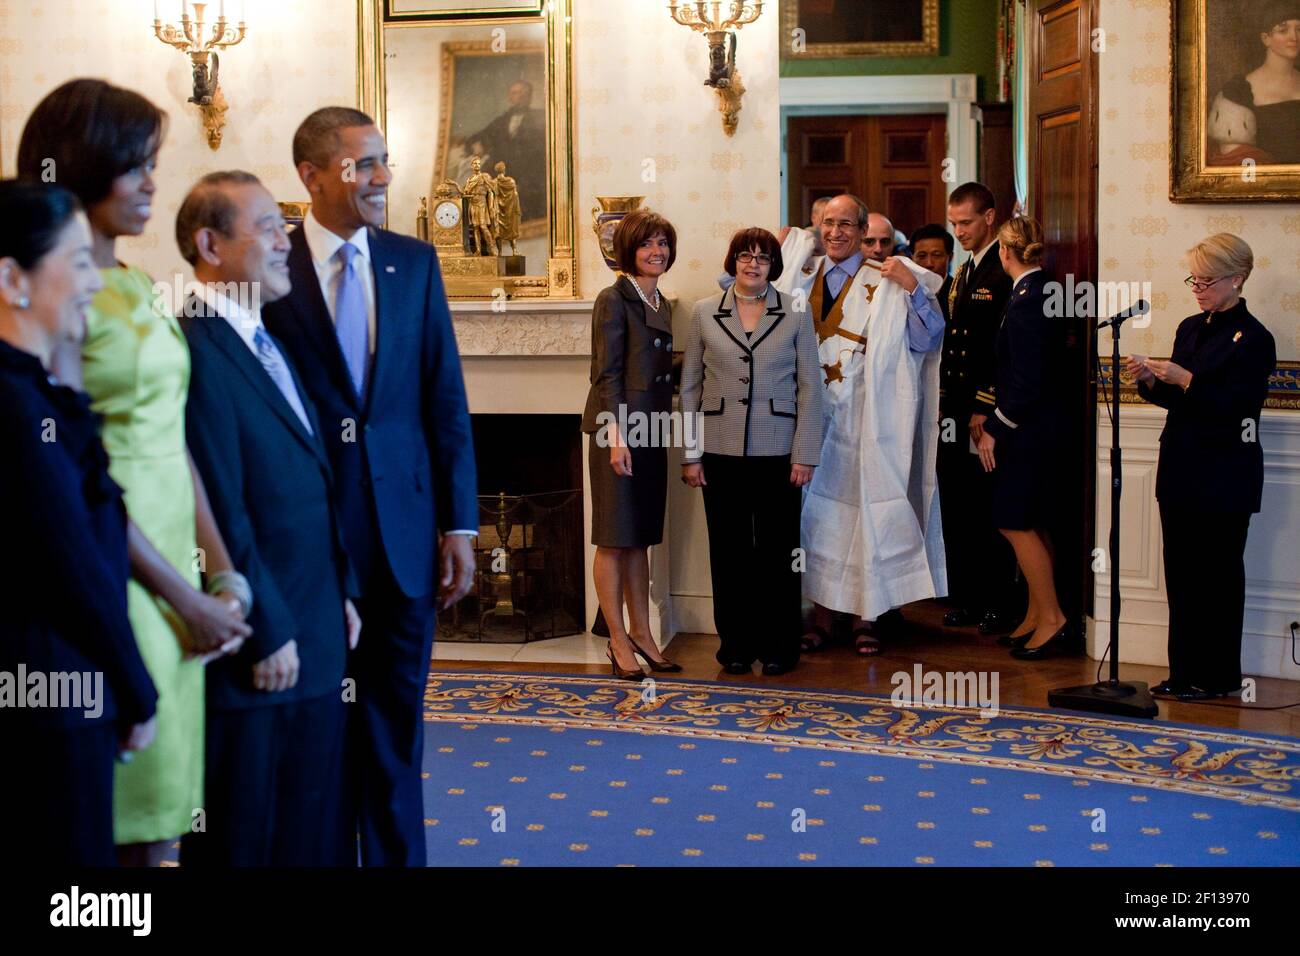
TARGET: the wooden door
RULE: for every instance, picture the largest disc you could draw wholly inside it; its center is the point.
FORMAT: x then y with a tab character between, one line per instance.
893	163
1062	133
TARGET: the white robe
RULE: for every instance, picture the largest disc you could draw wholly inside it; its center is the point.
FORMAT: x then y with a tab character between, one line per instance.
871	531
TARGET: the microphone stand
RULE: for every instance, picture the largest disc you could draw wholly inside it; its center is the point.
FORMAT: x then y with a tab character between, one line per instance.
1113	696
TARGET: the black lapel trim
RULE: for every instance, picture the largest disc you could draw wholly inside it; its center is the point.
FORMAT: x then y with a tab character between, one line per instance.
724	313
773	310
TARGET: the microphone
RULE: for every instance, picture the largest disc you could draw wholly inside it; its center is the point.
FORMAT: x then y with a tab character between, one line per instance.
1140	307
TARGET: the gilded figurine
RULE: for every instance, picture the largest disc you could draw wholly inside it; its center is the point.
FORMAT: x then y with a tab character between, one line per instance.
481	192
507	209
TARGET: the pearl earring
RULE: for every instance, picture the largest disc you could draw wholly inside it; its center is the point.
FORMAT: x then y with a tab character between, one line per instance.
23	302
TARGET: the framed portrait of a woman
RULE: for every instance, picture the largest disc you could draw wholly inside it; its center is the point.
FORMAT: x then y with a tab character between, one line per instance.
1235	101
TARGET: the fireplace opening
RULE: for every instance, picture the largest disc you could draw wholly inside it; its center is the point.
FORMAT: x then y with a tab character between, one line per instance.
529	582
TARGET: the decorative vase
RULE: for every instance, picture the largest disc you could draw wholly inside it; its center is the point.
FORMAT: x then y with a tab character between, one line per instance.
605	219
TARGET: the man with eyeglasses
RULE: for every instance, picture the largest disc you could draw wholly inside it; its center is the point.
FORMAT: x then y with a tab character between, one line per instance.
871	529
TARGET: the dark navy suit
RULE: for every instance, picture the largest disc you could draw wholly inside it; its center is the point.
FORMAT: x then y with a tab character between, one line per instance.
270	755
63	574
403	460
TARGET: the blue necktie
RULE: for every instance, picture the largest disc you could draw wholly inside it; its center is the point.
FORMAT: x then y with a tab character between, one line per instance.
351	321
273	362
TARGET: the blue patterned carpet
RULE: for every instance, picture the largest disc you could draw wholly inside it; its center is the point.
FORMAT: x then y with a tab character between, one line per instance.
534	770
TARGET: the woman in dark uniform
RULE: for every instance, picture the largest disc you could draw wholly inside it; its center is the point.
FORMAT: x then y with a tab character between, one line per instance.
631	382
1022	429
63	580
1210	478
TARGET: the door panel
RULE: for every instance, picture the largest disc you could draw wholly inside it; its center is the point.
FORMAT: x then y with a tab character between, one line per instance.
1062	128
894	163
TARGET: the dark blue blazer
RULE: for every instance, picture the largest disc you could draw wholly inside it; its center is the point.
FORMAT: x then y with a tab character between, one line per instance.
404	458
63	567
1206	461
269	483
1030	385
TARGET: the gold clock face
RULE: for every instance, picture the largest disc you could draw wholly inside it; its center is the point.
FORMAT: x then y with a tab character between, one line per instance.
447	214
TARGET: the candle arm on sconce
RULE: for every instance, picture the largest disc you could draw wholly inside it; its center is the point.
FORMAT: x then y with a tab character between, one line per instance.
706	17
189	39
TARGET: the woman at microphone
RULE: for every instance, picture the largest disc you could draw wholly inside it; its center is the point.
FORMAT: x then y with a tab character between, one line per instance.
1018	443
1210	476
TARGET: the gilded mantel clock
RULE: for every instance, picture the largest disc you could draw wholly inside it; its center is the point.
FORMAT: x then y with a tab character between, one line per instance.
446	221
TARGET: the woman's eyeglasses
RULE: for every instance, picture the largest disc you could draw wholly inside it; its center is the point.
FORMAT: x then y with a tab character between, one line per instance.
745	258
1198	285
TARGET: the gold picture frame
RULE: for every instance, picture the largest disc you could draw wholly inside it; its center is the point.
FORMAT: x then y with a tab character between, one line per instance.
451	51
1195	174
559	280
812	48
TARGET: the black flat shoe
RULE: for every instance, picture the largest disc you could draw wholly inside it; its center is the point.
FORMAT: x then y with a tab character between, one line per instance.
1063	643
773	668
995	623
1200	693
961	617
736	667
1168	689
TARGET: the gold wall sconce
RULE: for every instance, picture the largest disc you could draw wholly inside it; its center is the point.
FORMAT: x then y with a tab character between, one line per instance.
719	20
189	38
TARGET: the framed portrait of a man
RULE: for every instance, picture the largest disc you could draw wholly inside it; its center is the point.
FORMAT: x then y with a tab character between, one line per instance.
477	113
815	29
492	110
1235	101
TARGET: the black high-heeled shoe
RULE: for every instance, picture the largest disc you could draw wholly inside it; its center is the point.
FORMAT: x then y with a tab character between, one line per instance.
659	667
1063	643
1013	641
621	674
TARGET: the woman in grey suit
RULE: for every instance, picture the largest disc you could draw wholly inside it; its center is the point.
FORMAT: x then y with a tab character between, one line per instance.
752	379
631	385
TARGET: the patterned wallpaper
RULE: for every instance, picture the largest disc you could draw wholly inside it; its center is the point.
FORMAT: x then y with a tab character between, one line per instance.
1142	235
640	96
298	55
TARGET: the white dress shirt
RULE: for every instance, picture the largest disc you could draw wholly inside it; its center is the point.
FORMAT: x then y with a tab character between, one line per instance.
324	246
243	321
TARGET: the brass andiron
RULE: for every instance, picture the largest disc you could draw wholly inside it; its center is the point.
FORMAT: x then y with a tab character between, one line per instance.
501	583
189	39
719	29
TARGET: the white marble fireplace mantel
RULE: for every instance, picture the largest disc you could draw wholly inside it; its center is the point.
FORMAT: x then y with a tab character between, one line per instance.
523	327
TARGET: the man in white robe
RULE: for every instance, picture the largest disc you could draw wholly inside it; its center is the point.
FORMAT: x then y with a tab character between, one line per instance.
871	531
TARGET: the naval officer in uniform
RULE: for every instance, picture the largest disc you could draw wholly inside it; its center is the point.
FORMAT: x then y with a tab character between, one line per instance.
981	566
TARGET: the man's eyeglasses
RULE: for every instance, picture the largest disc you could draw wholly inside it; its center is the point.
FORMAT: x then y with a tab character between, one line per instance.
745	258
1197	285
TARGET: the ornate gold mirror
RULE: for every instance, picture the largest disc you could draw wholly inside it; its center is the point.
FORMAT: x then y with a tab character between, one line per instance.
474	98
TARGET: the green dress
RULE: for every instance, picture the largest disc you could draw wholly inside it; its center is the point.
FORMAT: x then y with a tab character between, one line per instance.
136	368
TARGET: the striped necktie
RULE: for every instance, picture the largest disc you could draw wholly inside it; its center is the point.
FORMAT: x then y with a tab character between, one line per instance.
275	366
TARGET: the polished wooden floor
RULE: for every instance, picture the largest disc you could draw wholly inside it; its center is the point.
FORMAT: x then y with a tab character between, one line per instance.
940	649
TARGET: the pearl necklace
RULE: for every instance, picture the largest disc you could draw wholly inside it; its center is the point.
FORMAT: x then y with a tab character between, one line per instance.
636	285
750	298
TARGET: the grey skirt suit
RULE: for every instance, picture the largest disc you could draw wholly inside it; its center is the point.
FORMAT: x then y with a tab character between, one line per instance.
631	377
